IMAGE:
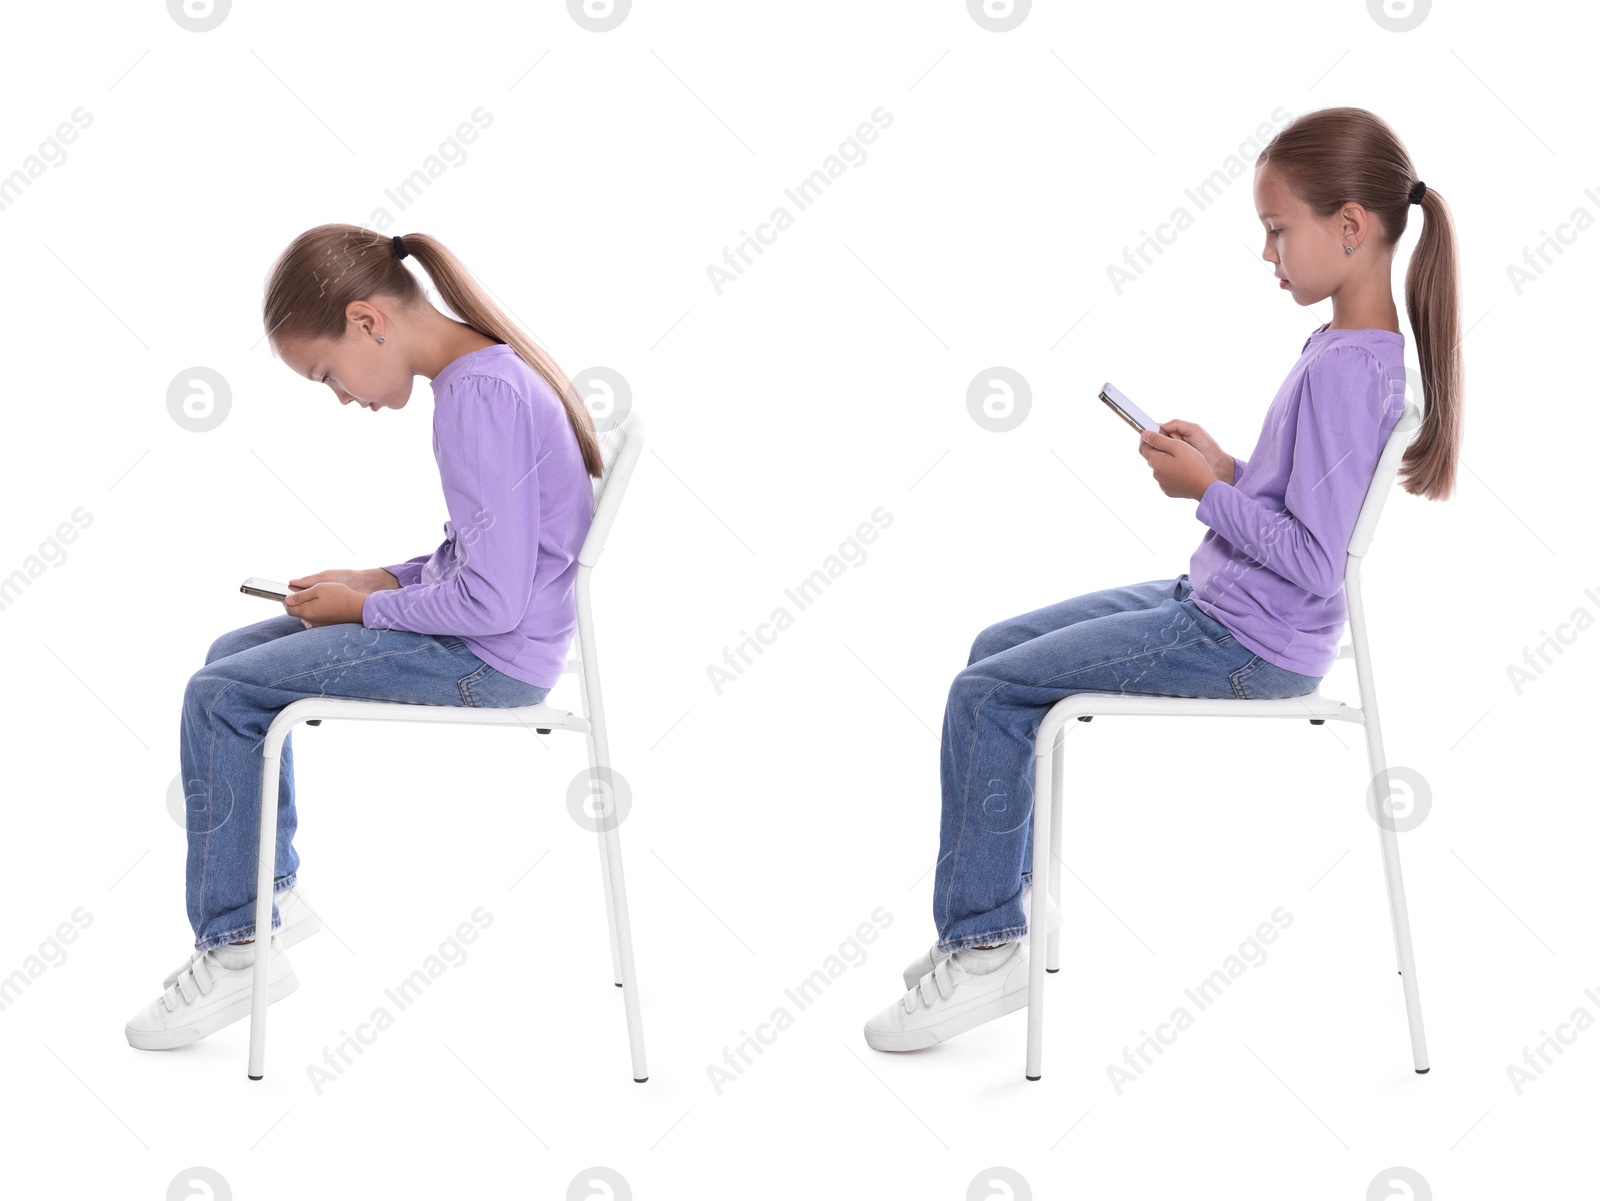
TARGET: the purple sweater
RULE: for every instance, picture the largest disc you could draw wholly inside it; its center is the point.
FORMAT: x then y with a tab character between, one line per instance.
1271	567
520	504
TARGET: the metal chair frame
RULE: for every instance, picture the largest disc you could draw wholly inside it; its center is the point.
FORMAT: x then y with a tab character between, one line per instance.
620	451
1049	756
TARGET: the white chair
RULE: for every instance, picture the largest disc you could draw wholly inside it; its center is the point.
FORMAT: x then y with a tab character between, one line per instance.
620	450
1049	756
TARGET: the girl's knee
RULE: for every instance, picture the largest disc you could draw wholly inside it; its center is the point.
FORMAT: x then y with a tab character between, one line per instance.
228	644
990	641
969	686
204	686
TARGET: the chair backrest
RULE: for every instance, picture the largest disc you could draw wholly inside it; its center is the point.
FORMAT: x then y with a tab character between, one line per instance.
620	447
1383	478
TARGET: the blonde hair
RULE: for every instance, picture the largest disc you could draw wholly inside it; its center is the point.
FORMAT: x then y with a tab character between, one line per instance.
1335	155
327	267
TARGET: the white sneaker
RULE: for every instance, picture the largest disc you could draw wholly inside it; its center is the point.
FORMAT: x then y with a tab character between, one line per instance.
923	964
949	1000
206	997
295	922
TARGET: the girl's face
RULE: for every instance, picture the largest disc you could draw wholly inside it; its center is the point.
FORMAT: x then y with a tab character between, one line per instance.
357	368
1306	250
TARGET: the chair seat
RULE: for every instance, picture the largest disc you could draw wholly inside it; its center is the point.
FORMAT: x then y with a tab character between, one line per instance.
1312	705
540	716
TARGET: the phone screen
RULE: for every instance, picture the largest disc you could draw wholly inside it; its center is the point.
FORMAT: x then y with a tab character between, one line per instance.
1125	407
268	589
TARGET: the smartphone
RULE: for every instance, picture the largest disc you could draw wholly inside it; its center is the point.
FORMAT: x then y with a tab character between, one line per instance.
270	589
1126	409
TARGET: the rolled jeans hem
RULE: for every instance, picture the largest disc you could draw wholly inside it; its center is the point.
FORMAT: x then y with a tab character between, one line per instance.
243	932
966	941
239	935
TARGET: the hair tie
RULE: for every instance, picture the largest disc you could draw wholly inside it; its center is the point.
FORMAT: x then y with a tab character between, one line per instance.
1416	193
400	246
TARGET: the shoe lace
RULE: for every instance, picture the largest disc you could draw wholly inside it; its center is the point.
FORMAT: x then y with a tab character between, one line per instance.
199	978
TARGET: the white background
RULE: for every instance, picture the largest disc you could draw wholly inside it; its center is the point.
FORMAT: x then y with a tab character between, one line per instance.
771	819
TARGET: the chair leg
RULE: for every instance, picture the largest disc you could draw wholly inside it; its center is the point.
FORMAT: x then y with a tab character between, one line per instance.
617	913
612	850
1387	840
1400	920
1394	926
610	844
605	884
605	870
266	861
1037	939
1390	843
1057	762
611	913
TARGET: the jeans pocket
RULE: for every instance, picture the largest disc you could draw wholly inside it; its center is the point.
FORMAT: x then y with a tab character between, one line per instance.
488	688
1212	628
1259	680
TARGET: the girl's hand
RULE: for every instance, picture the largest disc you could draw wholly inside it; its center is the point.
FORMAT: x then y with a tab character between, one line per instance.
325	603
350	579
1179	468
1219	460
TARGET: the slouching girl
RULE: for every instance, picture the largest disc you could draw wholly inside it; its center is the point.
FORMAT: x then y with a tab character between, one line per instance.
1260	612
484	619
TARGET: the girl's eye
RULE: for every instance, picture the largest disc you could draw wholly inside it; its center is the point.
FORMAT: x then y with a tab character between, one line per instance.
325	377
1274	231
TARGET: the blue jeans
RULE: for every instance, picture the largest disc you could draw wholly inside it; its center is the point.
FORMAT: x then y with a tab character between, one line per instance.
1150	639
252	673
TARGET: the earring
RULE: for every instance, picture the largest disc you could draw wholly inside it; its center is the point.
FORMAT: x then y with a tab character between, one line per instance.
380	336
1347	250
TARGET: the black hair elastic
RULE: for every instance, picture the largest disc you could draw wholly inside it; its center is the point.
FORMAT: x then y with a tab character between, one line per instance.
1416	193
400	246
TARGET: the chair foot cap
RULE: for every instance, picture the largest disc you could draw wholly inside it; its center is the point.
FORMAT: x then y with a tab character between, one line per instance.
1422	1071
1052	970
619	983
540	730
1031	1077
253	1077
640	1079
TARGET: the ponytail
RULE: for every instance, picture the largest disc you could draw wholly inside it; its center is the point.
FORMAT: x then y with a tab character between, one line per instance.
1332	156
327	267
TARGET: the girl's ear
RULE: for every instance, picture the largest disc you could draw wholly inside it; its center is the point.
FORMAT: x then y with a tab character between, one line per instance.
1355	220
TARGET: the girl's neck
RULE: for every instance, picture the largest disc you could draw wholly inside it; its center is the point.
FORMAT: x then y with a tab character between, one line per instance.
1373	309
1391	323
443	341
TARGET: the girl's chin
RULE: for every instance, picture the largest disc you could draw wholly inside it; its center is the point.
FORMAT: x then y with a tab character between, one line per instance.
1300	297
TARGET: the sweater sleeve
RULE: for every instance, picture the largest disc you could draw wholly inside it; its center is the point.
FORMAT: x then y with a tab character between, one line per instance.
408	572
1337	440
488	455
